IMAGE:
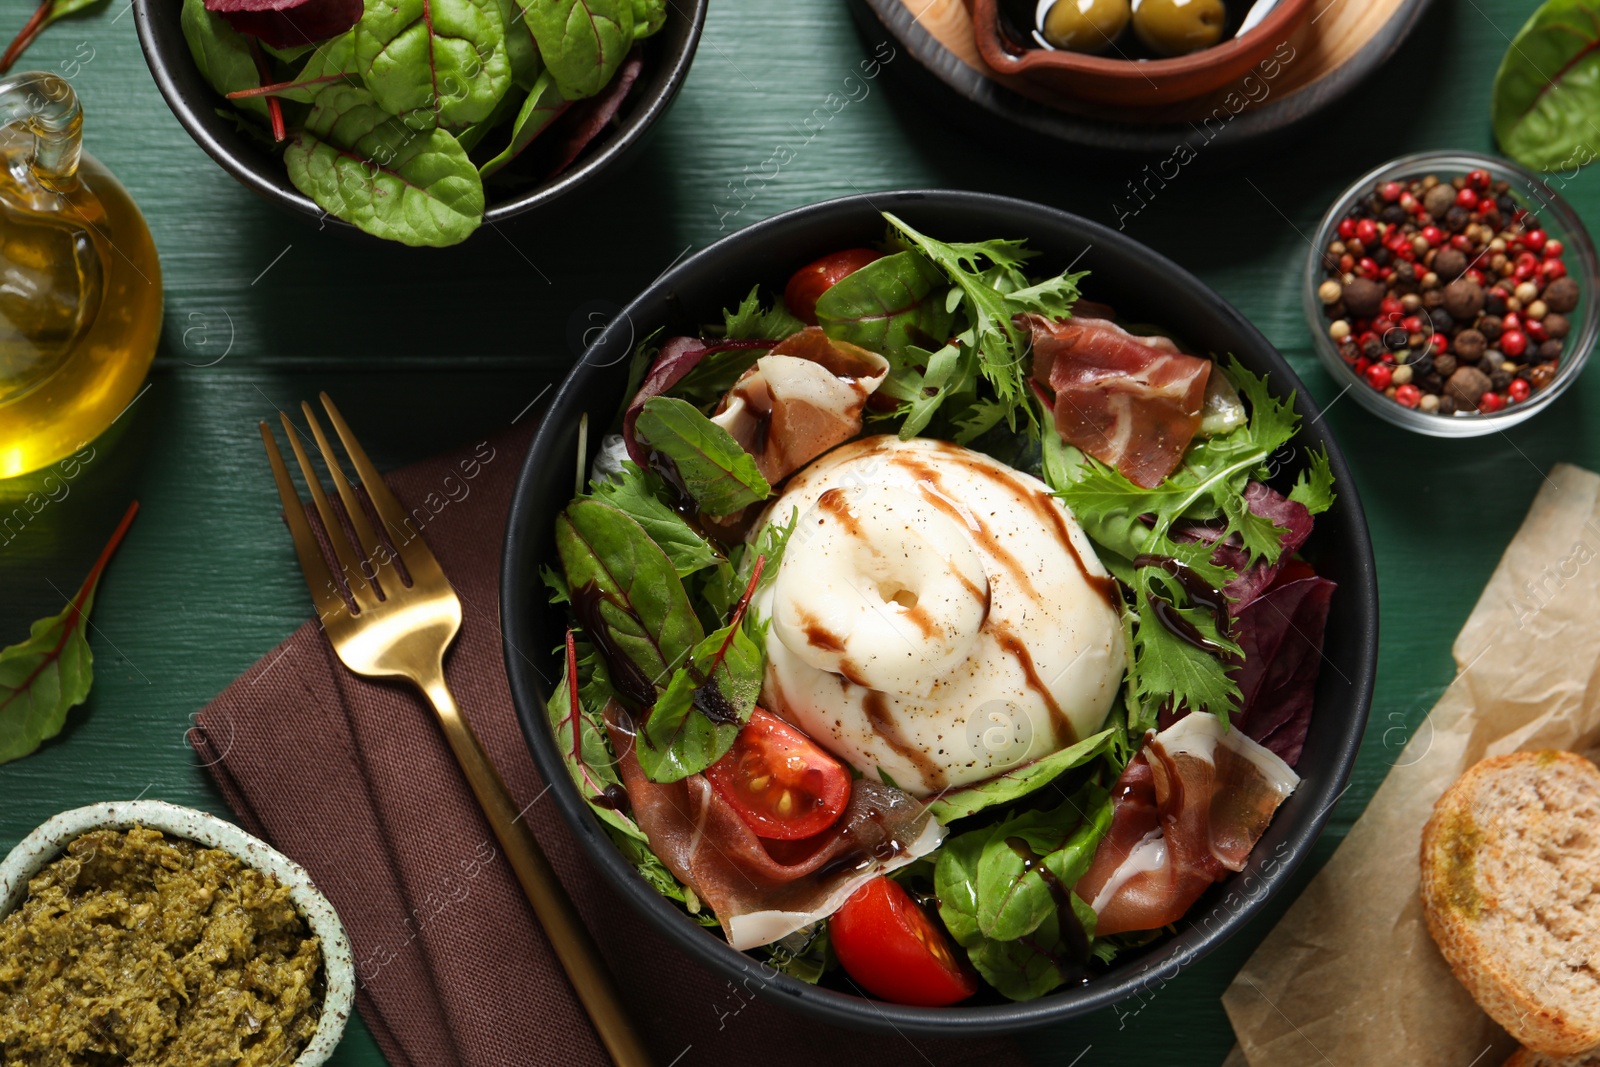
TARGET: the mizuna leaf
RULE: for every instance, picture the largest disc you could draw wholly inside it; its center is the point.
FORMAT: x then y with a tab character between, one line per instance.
222	54
582	42
543	106
435	62
1547	90
50	673
627	596
719	476
367	167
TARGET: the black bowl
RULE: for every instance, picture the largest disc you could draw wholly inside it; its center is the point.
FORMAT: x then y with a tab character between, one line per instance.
667	56
1144	287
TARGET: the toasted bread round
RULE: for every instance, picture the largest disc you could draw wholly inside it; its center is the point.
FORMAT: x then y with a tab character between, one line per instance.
1527	1058
1511	891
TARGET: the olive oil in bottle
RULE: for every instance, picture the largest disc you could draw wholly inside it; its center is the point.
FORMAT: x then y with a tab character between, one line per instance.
80	284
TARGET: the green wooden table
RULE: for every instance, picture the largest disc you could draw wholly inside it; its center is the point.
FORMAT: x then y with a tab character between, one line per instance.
263	310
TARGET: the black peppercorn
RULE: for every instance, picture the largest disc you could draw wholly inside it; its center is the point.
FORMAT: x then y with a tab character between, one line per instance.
1447	405
1372	348
1430	383
1499	380
1382	256
1490	326
1557	325
1456	219
1393	214
1444	364
1495	302
1549	350
1440	320
1490	363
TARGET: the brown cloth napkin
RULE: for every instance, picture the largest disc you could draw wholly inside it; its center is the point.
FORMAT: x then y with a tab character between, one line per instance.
352	778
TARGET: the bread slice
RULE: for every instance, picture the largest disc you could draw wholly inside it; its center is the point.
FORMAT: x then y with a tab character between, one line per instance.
1524	1058
1511	891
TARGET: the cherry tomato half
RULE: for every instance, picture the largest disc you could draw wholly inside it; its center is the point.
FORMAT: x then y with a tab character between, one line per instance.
779	781
814	279
889	945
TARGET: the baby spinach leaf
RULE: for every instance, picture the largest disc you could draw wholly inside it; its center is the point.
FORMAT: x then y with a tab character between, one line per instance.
543	106
434	62
579	732
582	42
221	53
628	597
1547	90
521	50
1029	967
752	322
50	673
696	720
638	493
955	882
719	476
1031	858
890	303
1019	781
365	166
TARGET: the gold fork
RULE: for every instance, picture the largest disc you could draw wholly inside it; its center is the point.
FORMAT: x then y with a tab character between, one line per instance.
405	634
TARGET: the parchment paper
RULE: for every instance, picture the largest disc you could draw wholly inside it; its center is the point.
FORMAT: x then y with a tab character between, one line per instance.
1350	977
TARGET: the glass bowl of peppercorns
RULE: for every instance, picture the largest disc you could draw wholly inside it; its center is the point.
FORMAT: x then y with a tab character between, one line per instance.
1452	293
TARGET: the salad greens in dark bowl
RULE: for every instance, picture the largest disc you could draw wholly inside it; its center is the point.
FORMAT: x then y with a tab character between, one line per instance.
415	122
729	518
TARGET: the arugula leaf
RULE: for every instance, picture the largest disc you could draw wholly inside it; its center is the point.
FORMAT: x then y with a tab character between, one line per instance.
696	720
1314	488
718	475
222	54
50	673
725	585
1017	782
434	62
543	106
890	303
656	875
579	733
365	166
582	42
637	493
752	322
631	600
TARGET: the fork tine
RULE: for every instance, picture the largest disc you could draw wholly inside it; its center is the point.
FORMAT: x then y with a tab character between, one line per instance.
371	547
361	589
319	580
413	549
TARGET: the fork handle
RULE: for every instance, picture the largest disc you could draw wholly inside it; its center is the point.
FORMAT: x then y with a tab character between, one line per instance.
569	937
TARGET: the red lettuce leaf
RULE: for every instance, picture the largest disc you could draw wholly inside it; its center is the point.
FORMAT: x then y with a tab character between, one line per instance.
1281	634
288	23
1289	515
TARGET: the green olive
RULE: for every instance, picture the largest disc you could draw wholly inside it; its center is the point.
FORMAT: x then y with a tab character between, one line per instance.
1085	25
1178	27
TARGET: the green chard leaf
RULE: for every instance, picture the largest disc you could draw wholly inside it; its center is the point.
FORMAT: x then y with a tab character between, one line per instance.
363	165
752	322
332	61
638	493
44	16
1017	782
648	18
1547	90
222	54
719	476
582	42
696	720
579	732
631	601
522	51
543	106
889	304
434	62
50	673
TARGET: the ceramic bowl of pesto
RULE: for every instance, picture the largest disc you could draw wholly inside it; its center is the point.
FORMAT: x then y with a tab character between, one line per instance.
49	842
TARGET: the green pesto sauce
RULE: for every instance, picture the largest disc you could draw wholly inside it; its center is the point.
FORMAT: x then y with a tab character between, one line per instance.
138	950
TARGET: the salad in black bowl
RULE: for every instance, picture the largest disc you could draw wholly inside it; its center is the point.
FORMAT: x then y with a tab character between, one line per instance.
931	632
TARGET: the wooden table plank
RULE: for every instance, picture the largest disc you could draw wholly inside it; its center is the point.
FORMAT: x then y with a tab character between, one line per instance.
464	340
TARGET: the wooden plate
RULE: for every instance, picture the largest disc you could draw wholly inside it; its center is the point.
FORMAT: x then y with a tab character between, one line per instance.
1340	44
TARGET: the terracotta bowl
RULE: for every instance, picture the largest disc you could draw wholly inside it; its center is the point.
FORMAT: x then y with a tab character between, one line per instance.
1131	82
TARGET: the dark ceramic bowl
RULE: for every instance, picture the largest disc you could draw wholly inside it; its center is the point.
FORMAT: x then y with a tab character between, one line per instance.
667	56
1145	288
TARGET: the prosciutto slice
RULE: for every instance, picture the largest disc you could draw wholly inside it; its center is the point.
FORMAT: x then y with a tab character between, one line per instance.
799	400
1132	402
1185	812
764	890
